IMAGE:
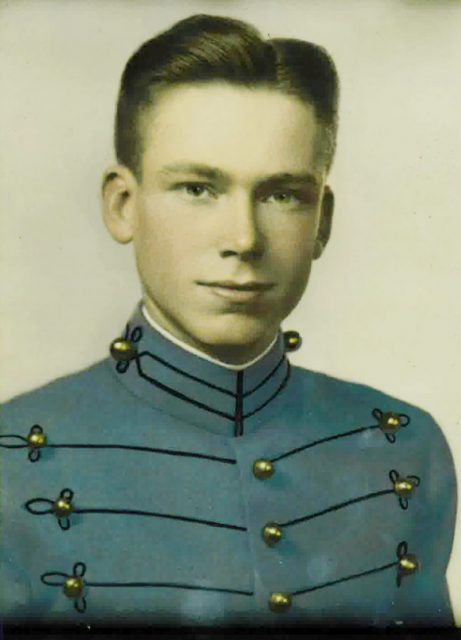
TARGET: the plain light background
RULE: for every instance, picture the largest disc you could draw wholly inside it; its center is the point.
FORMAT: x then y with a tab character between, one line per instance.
383	304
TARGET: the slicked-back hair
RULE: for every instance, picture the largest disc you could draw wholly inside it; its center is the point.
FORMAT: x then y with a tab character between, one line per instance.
206	48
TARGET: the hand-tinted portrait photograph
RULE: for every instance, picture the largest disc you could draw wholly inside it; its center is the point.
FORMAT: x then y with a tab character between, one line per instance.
230	315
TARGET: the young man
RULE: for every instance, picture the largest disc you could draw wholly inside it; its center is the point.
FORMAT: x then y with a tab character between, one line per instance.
193	476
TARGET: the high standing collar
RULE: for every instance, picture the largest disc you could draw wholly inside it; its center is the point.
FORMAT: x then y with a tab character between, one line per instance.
191	388
195	351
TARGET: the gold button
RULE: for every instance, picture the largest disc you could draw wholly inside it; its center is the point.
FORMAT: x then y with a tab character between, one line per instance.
73	587
404	487
36	438
122	350
62	508
272	533
292	340
263	469
279	602
390	422
409	564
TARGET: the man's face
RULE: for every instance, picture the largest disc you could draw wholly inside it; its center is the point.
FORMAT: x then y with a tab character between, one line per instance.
227	214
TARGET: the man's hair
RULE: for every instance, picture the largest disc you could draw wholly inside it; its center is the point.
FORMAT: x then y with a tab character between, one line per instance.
206	48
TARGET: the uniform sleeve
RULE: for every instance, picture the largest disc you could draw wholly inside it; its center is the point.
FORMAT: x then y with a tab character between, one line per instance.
428	599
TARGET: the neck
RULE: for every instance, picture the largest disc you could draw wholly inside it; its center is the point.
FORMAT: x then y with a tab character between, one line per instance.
236	358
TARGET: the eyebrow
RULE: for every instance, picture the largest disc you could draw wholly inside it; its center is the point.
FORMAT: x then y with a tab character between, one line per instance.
213	173
202	170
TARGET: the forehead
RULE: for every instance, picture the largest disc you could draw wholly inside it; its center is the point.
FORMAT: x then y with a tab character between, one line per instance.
247	132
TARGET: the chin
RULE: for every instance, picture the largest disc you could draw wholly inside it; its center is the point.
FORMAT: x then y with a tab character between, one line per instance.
235	331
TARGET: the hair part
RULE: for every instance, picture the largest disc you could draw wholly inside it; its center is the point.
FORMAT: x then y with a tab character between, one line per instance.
206	48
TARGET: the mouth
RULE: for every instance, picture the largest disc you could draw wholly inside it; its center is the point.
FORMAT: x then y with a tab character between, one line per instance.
237	291
252	285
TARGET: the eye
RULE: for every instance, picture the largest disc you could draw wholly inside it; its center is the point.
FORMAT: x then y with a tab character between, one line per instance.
195	190
283	197
291	198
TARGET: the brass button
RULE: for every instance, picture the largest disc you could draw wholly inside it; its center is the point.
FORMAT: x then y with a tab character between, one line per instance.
408	564
292	340
279	602
122	350
390	422
62	508
404	487
272	534
263	469
36	438
73	587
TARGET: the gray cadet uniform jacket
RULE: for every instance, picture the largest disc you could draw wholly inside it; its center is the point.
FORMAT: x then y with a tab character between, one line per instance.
158	487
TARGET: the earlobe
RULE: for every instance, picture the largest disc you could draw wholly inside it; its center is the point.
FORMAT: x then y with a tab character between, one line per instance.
326	221
318	249
118	195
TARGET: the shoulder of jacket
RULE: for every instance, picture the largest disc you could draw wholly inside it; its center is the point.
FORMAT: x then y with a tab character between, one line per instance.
342	394
63	394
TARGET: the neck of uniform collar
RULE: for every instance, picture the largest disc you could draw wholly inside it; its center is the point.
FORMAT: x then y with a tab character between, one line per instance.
196	352
195	388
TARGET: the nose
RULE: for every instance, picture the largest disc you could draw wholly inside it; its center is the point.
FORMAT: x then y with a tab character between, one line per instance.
241	235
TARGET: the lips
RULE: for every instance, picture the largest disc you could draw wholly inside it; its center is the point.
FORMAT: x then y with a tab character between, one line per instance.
237	292
239	286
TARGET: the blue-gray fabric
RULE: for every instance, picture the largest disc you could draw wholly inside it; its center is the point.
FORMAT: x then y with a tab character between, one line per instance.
183	542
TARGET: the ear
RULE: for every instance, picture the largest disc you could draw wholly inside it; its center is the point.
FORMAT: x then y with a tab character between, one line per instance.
118	202
326	221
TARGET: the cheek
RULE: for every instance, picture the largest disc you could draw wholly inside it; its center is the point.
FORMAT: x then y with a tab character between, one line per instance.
168	257
161	245
292	248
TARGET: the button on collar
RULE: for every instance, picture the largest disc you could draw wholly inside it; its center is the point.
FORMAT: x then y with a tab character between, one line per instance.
123	350
292	340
